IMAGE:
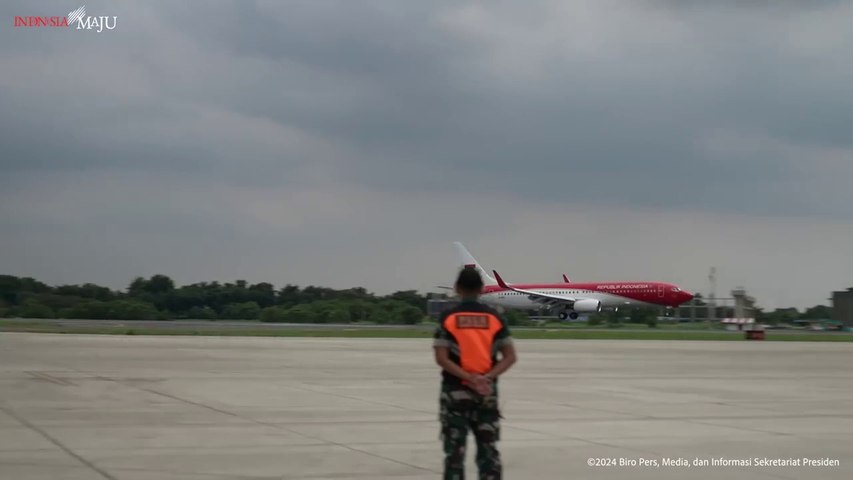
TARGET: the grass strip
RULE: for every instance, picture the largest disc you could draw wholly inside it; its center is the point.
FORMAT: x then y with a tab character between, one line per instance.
343	332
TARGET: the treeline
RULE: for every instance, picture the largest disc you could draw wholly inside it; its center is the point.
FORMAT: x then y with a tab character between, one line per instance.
157	298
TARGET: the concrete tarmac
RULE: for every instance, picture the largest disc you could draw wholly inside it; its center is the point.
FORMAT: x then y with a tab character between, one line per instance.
210	408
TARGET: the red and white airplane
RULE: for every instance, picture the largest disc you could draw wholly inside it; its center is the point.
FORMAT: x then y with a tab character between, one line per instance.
572	298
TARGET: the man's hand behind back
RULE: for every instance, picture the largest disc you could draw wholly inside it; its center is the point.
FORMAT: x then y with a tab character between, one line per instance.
481	385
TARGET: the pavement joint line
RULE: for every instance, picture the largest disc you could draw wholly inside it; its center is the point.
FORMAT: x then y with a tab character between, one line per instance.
262	477
56	442
26	450
203	474
42	465
234	448
46	377
267	424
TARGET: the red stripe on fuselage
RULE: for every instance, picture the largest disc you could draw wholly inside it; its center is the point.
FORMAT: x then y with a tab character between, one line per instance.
649	292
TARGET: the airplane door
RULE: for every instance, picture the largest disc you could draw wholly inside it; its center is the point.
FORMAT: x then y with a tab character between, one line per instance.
660	291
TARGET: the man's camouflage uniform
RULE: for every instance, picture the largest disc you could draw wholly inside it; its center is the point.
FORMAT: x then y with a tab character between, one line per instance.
461	408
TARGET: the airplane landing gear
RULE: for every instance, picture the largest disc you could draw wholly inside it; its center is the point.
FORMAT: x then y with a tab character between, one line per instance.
563	315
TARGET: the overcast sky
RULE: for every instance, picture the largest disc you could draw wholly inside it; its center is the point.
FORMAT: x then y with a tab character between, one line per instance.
349	143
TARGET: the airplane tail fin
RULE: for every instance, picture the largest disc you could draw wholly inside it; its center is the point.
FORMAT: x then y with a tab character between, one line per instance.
465	259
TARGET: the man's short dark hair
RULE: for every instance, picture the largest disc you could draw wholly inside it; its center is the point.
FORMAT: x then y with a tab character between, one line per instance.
469	280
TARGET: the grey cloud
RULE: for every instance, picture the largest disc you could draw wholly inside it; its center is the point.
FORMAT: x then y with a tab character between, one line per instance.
406	92
637	114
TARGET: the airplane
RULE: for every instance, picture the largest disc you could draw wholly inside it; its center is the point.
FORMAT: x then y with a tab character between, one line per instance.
572	298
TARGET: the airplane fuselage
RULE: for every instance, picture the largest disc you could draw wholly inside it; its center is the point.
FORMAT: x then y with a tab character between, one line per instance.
572	298
609	294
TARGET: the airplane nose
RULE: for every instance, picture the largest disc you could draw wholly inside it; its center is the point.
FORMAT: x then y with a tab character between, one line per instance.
687	295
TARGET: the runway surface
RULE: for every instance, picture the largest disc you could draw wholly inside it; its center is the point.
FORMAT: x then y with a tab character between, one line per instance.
236	325
210	408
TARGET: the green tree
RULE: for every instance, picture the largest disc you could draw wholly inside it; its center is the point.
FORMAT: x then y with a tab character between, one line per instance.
410	315
12	288
643	315
88	290
157	284
339	316
782	315
613	319
818	312
32	309
301	314
131	310
242	311
516	318
410	297
263	294
90	309
360	310
202	313
276	314
55	302
289	296
160	284
382	317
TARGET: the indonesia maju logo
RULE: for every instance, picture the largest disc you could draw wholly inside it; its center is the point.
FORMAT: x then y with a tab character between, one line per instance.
76	19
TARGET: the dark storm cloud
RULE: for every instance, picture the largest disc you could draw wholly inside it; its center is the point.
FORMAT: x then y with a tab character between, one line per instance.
419	104
442	96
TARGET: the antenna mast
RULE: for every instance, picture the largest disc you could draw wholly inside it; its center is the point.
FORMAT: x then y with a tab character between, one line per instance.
712	300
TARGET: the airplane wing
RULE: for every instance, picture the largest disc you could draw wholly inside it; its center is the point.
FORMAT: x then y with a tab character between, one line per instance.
543	298
566	279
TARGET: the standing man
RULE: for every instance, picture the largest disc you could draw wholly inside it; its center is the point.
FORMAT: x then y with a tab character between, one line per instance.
467	341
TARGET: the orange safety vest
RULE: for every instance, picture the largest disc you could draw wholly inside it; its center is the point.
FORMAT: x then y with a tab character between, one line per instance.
475	336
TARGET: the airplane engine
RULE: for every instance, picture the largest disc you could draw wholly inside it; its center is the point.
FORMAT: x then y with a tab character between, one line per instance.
587	306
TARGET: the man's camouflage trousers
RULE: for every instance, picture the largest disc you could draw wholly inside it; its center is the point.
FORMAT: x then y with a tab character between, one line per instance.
463	410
